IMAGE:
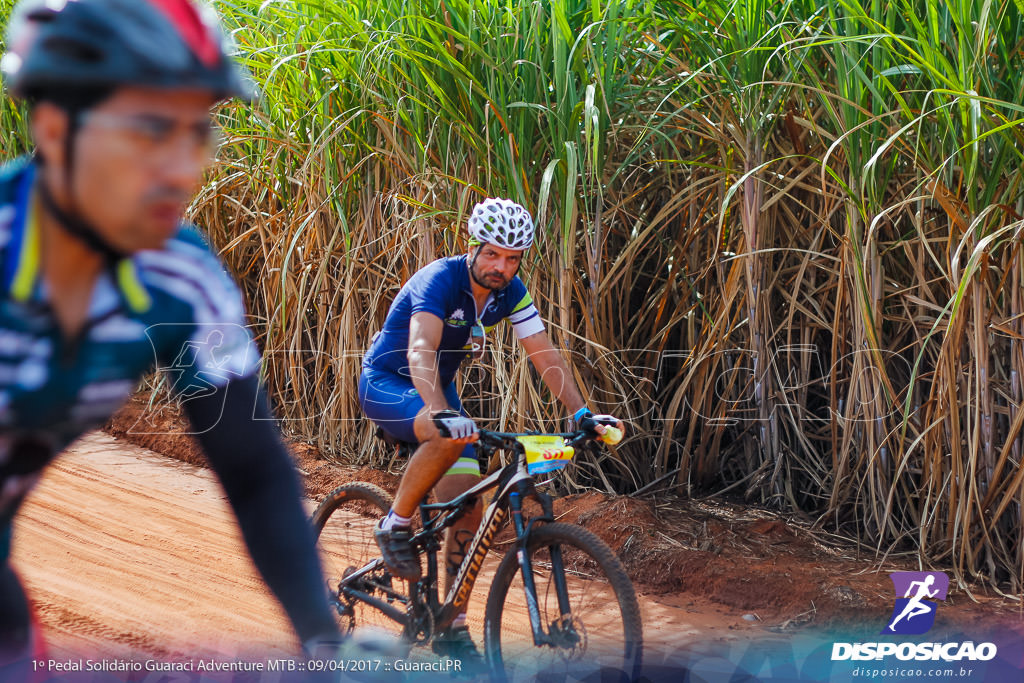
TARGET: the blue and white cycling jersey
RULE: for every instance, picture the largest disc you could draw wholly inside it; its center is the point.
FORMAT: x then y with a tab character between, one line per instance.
175	308
443	289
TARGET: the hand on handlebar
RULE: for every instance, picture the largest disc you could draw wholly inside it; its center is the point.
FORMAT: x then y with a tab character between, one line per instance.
454	426
608	427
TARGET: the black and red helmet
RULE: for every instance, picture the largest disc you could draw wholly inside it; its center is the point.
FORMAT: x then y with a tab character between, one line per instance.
105	44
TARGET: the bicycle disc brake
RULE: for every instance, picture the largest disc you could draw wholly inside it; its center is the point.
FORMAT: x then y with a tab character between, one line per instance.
569	637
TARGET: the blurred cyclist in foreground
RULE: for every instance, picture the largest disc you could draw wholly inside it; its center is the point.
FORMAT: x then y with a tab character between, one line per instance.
100	278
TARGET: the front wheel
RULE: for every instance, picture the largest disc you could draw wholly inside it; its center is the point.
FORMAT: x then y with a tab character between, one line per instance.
599	636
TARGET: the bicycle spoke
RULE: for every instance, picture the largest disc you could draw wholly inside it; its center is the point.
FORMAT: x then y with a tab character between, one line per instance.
598	637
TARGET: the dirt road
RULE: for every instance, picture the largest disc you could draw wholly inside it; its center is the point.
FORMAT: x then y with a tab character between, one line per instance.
128	554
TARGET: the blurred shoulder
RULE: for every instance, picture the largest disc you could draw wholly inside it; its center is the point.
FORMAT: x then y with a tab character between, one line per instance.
186	268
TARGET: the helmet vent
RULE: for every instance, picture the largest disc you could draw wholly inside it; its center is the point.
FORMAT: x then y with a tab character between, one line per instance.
501	222
74	50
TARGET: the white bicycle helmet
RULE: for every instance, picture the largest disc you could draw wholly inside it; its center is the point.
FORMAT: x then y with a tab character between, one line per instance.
503	223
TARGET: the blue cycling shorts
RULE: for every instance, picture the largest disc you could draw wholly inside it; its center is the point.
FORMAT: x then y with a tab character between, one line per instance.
393	403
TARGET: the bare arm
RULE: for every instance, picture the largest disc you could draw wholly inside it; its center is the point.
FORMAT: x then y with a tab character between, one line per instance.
425	331
424	339
553	370
555	373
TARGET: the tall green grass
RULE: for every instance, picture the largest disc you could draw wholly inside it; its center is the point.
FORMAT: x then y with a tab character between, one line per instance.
782	239
14	137
421	110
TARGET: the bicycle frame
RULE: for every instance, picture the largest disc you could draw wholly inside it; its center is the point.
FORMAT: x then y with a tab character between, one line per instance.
513	483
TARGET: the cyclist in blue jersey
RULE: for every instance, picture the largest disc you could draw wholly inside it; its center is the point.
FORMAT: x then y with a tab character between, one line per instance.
100	278
440	317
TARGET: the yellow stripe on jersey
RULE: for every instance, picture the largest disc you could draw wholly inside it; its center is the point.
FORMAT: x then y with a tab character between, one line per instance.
28	269
28	259
527	300
134	292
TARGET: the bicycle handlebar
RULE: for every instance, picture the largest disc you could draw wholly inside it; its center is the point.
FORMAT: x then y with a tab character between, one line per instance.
612	435
504	439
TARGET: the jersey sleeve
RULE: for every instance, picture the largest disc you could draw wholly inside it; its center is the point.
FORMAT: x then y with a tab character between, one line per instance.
214	345
523	315
429	291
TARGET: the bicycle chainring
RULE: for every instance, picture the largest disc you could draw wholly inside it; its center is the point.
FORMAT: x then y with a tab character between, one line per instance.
421	628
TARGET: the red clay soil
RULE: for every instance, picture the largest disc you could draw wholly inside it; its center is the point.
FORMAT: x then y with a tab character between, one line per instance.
688	551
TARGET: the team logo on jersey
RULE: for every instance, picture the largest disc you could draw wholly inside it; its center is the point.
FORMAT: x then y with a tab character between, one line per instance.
457	318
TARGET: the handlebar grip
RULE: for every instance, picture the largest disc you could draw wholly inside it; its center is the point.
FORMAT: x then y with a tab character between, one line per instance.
612	435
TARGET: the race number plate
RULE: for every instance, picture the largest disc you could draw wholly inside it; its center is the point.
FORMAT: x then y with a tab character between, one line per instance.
545	453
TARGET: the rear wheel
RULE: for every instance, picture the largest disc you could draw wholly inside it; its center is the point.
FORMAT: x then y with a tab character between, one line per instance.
344	524
599	636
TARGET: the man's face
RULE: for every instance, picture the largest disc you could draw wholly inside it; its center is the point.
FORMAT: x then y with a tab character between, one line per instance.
494	267
139	157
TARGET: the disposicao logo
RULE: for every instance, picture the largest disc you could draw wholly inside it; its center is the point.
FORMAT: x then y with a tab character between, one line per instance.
914	612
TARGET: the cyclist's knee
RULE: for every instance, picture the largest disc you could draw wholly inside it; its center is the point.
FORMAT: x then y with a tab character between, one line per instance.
440	450
475	512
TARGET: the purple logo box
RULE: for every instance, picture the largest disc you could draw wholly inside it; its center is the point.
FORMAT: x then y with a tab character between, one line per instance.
916	593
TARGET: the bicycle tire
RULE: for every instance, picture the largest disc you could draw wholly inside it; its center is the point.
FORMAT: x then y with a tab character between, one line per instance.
604	608
343	524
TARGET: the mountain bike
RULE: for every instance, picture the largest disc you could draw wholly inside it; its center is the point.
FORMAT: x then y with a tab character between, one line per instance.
559	601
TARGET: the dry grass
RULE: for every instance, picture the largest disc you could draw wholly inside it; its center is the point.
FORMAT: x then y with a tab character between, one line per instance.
781	239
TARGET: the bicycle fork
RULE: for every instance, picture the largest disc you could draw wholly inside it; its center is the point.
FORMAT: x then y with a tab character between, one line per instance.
562	633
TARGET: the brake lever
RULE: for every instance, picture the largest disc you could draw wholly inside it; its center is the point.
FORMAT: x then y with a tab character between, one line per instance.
580	437
612	436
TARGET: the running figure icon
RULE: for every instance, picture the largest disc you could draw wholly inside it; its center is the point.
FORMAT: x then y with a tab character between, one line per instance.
914	611
915	607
